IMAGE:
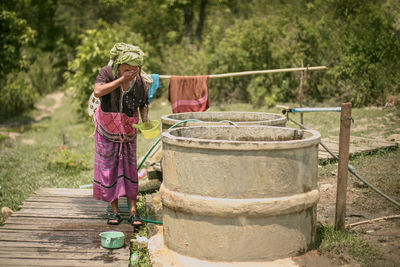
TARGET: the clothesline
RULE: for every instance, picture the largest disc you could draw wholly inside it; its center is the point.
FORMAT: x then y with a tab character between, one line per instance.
256	72
190	93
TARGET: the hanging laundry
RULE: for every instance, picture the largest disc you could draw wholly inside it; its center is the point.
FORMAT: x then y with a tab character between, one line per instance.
188	93
154	86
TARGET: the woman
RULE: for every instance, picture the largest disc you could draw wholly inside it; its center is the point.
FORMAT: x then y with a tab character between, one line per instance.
122	92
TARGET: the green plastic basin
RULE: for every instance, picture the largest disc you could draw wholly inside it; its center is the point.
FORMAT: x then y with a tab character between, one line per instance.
112	239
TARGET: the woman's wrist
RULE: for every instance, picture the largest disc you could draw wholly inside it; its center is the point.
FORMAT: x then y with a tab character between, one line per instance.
144	114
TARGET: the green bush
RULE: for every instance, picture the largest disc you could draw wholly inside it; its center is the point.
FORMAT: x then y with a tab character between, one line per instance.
357	40
14	35
93	53
66	158
43	74
253	44
17	95
369	63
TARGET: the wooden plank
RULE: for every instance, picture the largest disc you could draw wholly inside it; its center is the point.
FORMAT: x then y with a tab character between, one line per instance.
67	255
18	247
53	237
92	233
357	145
75	222
82	208
88	209
67	205
65	196
62	200
56	199
62	206
61	227
61	216
44	245
73	199
59	262
73	211
369	140
92	216
68	211
360	141
64	191
51	221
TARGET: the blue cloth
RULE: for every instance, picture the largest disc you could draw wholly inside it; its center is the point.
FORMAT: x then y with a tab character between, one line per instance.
154	86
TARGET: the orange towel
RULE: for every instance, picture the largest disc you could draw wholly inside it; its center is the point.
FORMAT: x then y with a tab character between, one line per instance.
188	93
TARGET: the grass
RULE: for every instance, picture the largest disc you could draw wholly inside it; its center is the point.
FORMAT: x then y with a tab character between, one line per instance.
368	122
26	167
333	243
380	168
142	253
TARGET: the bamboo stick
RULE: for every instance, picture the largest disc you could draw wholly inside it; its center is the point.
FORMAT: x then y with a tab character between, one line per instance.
373	220
255	72
301	91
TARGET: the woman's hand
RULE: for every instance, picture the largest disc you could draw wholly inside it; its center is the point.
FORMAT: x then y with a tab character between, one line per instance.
130	75
127	74
144	111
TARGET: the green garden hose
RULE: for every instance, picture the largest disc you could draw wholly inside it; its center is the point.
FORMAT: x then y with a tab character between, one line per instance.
154	145
158	140
350	167
173	126
151	221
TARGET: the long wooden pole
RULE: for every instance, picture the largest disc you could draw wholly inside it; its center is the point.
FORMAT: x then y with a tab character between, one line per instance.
373	220
301	92
344	147
255	72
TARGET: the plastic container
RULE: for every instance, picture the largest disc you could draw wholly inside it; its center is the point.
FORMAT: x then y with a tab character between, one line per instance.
140	241
112	239
149	129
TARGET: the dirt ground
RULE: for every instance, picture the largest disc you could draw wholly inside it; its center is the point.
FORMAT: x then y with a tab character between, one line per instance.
383	235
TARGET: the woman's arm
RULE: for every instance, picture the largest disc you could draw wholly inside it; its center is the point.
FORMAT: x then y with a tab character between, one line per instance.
101	89
144	111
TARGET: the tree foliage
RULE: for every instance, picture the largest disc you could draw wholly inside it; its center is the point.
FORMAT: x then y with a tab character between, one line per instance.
358	41
94	53
14	34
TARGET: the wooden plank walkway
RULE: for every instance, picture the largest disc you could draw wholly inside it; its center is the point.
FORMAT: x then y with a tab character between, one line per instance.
60	227
357	145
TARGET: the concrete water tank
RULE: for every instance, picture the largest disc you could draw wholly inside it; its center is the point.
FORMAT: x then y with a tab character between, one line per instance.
217	118
239	193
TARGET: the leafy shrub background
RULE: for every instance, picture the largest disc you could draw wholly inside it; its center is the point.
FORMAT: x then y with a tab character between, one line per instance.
63	44
67	158
16	95
93	53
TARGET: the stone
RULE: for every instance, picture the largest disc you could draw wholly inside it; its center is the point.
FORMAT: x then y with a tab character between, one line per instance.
394	138
6	212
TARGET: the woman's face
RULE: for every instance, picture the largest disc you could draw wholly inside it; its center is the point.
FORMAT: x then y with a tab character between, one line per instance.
125	67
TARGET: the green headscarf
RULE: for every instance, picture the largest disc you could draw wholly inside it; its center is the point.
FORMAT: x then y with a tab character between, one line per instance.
123	53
